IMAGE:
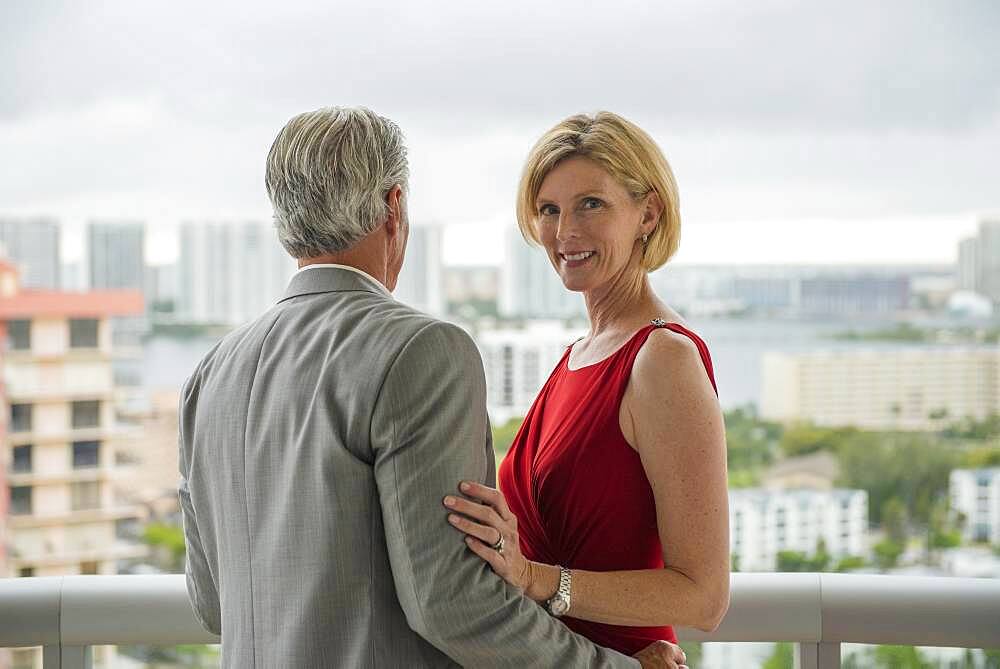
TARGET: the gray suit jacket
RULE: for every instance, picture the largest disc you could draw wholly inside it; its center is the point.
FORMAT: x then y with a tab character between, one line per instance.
316	445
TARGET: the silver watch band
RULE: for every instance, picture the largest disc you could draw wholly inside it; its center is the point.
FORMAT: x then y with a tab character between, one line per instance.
559	604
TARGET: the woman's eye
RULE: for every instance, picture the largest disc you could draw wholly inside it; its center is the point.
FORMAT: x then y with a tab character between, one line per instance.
591	203
548	210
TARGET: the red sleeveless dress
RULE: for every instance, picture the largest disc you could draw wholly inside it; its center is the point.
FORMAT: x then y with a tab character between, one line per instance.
578	489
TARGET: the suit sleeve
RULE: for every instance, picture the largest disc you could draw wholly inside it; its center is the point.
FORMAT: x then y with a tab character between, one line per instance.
202	589
430	431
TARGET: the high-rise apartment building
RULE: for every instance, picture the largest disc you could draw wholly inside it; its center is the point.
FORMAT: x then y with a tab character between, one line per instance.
517	364
421	281
988	281
968	264
906	388
32	245
530	287
115	255
8	285
229	272
764	522
975	493
61	439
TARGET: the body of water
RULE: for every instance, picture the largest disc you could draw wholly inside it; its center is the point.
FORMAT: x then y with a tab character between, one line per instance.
737	346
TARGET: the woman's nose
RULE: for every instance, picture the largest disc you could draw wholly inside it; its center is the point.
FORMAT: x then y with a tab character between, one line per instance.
567	228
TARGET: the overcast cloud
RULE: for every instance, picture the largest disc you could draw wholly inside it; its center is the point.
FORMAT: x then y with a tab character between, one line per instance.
778	113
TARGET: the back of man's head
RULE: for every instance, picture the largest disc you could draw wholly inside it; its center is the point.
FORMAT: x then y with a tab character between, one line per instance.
328	173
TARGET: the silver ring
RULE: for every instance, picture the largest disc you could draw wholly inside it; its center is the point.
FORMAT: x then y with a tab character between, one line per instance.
498	546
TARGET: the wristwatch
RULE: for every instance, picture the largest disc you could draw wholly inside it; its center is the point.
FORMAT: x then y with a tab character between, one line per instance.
558	605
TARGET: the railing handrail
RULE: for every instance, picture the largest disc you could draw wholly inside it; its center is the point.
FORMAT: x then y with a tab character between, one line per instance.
801	608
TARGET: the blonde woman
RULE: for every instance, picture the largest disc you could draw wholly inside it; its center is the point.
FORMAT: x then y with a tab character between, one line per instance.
612	508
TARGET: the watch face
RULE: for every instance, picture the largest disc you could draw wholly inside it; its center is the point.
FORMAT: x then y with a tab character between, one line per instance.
559	607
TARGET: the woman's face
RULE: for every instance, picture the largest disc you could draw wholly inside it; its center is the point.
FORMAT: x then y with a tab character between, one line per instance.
589	224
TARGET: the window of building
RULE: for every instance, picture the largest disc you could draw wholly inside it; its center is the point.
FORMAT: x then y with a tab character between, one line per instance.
25	572
20	418
22	460
85	495
981	532
19	335
83	333
86	414
86	454
89	568
20	500
128	529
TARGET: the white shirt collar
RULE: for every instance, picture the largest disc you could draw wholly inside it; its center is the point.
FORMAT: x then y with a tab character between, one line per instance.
363	273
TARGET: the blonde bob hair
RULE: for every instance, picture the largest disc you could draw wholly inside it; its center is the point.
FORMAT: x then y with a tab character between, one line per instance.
628	154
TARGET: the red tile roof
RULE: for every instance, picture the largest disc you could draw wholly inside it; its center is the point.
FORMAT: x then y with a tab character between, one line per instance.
55	304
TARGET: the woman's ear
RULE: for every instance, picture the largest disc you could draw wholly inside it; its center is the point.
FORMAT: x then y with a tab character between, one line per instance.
652	209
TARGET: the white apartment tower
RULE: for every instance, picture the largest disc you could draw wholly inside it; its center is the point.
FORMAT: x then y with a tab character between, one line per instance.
229	272
764	522
32	246
116	255
421	280
517	364
975	493
989	259
913	388
530	287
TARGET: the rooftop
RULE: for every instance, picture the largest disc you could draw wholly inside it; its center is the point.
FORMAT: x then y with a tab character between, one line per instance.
63	304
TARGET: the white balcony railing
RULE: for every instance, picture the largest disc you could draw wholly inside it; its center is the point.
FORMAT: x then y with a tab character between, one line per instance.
67	615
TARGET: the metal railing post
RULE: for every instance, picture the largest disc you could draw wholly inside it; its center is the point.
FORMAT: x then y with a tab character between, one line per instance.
51	657
817	656
77	657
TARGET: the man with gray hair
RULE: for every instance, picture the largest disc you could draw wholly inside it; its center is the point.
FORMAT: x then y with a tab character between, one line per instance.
318	441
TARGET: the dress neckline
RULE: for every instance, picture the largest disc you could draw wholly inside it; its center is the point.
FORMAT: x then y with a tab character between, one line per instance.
659	322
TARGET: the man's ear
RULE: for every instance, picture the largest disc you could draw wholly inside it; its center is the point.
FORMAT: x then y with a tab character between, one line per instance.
394	200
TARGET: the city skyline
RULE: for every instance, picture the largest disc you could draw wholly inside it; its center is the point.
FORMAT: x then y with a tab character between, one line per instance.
781	138
886	241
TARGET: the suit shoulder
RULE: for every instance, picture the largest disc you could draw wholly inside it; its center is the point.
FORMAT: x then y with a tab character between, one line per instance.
433	339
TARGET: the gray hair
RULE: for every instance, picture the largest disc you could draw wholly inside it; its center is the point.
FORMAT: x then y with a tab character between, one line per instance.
328	173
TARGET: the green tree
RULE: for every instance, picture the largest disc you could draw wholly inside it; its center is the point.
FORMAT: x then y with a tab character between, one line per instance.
942	531
503	436
167	542
850	563
793	561
900	657
909	466
783	657
887	554
981	457
692	649
975	430
751	442
894	521
806	438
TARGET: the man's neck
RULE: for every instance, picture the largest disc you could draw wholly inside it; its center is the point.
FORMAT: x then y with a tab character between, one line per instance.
354	257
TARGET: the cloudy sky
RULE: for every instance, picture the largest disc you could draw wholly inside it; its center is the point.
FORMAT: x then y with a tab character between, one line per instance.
848	132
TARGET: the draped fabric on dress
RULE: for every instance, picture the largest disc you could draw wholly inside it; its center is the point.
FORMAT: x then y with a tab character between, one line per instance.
578	489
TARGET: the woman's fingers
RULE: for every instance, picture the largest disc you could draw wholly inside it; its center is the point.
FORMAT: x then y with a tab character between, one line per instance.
487	553
480	512
485	533
488	495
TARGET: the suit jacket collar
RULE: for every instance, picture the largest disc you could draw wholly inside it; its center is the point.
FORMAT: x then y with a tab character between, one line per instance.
331	280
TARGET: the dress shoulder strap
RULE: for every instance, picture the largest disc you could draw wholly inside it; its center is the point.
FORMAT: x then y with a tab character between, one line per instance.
706	357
